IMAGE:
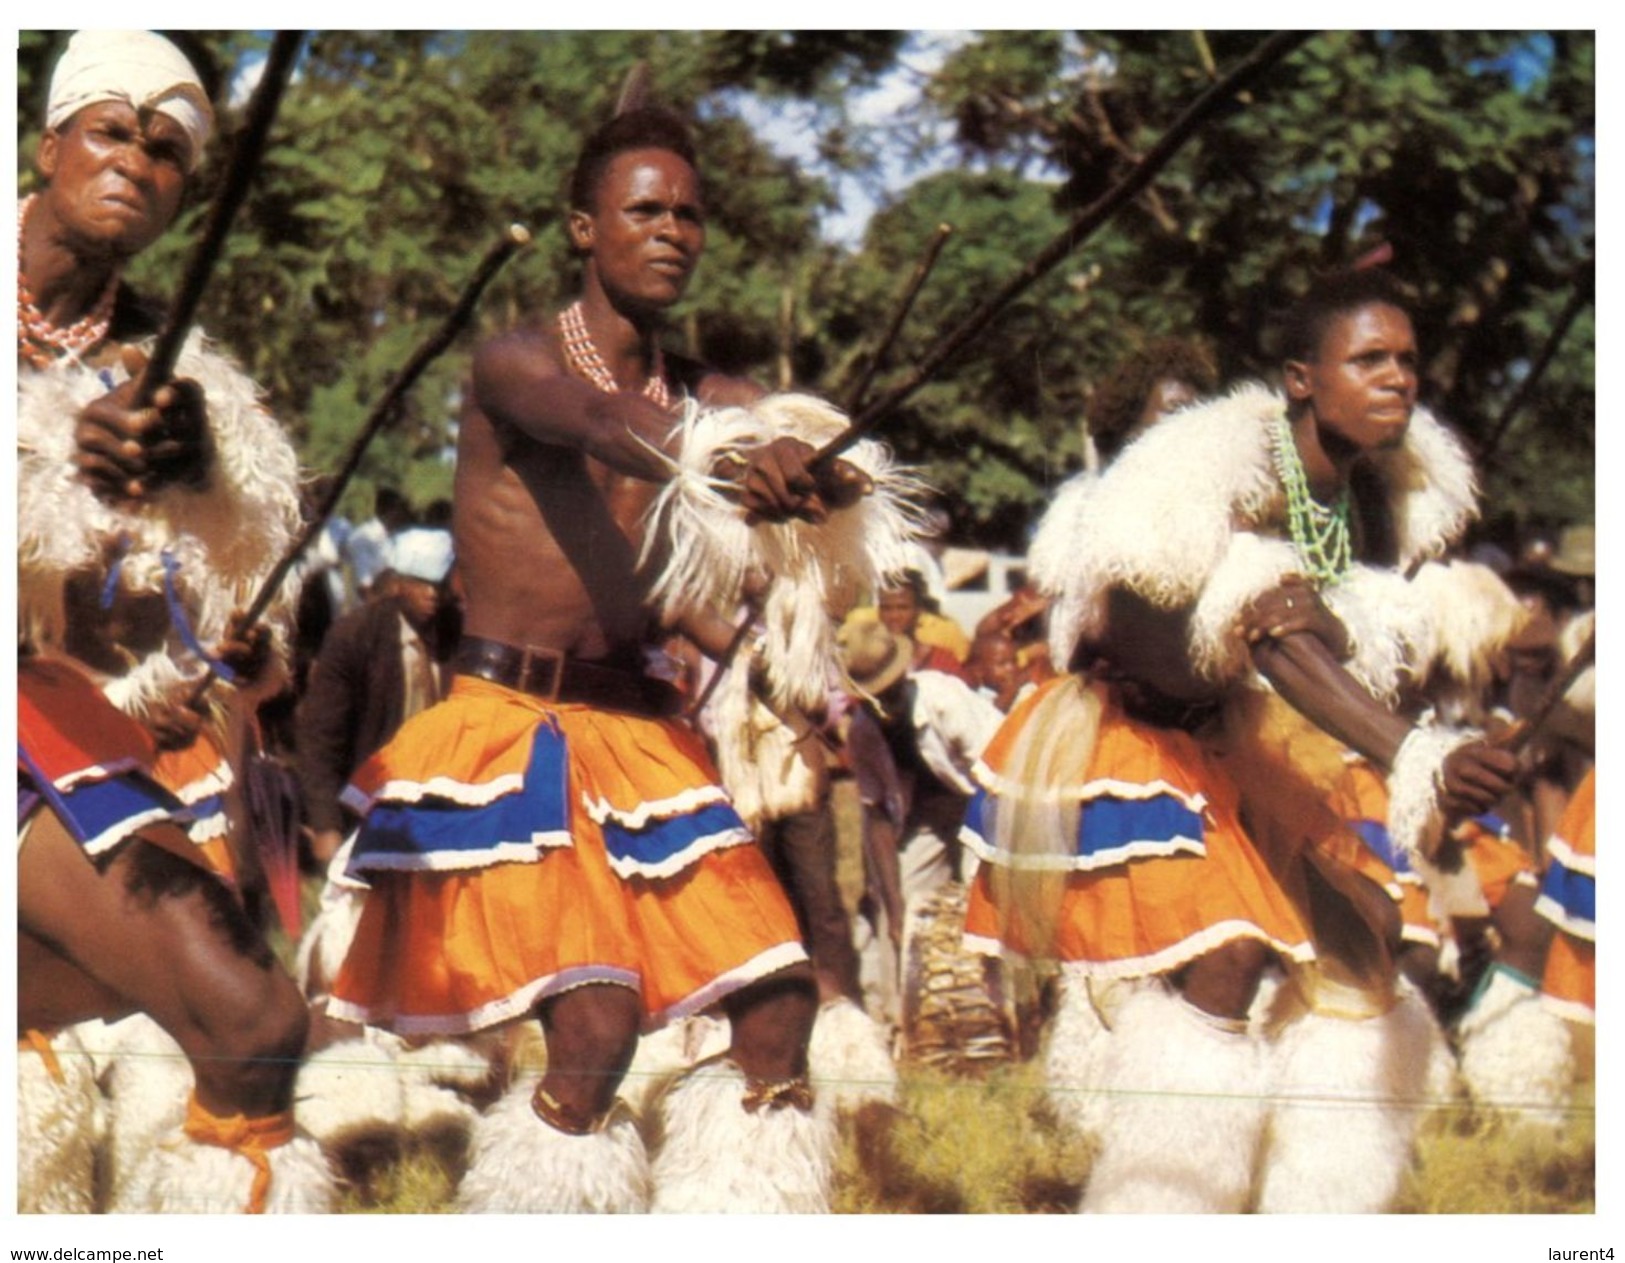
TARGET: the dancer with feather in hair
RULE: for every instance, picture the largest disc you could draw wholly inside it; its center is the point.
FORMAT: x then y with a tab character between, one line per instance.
551	842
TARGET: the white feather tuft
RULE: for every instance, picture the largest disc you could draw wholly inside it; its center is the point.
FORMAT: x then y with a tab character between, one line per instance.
710	550
1471	616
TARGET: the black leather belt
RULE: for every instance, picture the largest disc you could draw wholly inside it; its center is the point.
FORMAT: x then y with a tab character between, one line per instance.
554	676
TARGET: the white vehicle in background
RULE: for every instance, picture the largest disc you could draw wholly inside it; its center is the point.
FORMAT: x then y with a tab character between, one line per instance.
978	582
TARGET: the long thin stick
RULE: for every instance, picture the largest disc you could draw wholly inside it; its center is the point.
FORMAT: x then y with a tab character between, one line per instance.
905	304
729	653
513	238
247	151
1583	293
1086	223
1525	730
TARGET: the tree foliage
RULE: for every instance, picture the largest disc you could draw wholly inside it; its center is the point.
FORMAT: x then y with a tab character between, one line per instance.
1469	153
398	156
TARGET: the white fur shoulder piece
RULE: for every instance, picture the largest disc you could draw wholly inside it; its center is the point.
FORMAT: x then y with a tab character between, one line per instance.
709	550
1159	520
225	537
1175	519
1432	491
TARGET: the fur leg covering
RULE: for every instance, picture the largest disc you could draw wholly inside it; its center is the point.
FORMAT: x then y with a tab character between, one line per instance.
520	1165
349	1097
59	1125
1075	1051
717	1157
1350	1094
327	938
1184	1114
848	1058
439	1083
147	1081
1517	1056
185	1176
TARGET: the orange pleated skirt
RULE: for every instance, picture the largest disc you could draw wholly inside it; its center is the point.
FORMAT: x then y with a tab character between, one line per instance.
1161	870
516	849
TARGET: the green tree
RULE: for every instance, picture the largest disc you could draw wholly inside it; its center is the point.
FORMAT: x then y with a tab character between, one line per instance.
1470	153
396	159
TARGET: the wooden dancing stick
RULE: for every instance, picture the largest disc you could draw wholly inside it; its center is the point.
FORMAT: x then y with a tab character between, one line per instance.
1584	292
1083	226
1521	732
247	151
513	238
722	664
904	305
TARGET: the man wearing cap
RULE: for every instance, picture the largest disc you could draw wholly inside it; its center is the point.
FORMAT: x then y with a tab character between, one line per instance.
140	532
379	665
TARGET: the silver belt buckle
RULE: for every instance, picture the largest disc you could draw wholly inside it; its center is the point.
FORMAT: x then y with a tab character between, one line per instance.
535	659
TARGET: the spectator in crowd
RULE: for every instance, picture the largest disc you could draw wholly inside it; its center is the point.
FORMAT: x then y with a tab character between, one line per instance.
379	665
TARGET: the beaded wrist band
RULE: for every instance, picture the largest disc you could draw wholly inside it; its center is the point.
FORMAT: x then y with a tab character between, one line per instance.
550	1110
774	1096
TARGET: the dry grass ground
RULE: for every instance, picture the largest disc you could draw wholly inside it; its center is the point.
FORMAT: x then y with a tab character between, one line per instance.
990	1145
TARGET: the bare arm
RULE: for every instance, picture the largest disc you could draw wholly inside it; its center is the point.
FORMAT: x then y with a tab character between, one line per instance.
519	383
1305	673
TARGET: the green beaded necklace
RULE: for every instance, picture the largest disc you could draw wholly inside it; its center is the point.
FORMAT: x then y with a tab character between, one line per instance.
1319	535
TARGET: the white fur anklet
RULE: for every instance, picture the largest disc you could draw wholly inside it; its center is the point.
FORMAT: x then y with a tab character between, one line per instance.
718	1155
848	1058
1184	1115
518	1164
1075	1052
59	1124
1517	1057
147	1081
1349	1094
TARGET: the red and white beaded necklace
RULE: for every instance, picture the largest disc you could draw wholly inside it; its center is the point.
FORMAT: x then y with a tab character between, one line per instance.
584	357
39	341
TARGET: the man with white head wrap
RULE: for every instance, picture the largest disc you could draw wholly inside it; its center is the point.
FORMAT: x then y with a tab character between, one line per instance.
143	70
140	531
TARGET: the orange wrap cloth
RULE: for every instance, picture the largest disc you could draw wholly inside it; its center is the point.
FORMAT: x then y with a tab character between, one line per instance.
1568	899
1497	859
251	1137
200	776
86	760
516	849
1161	871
